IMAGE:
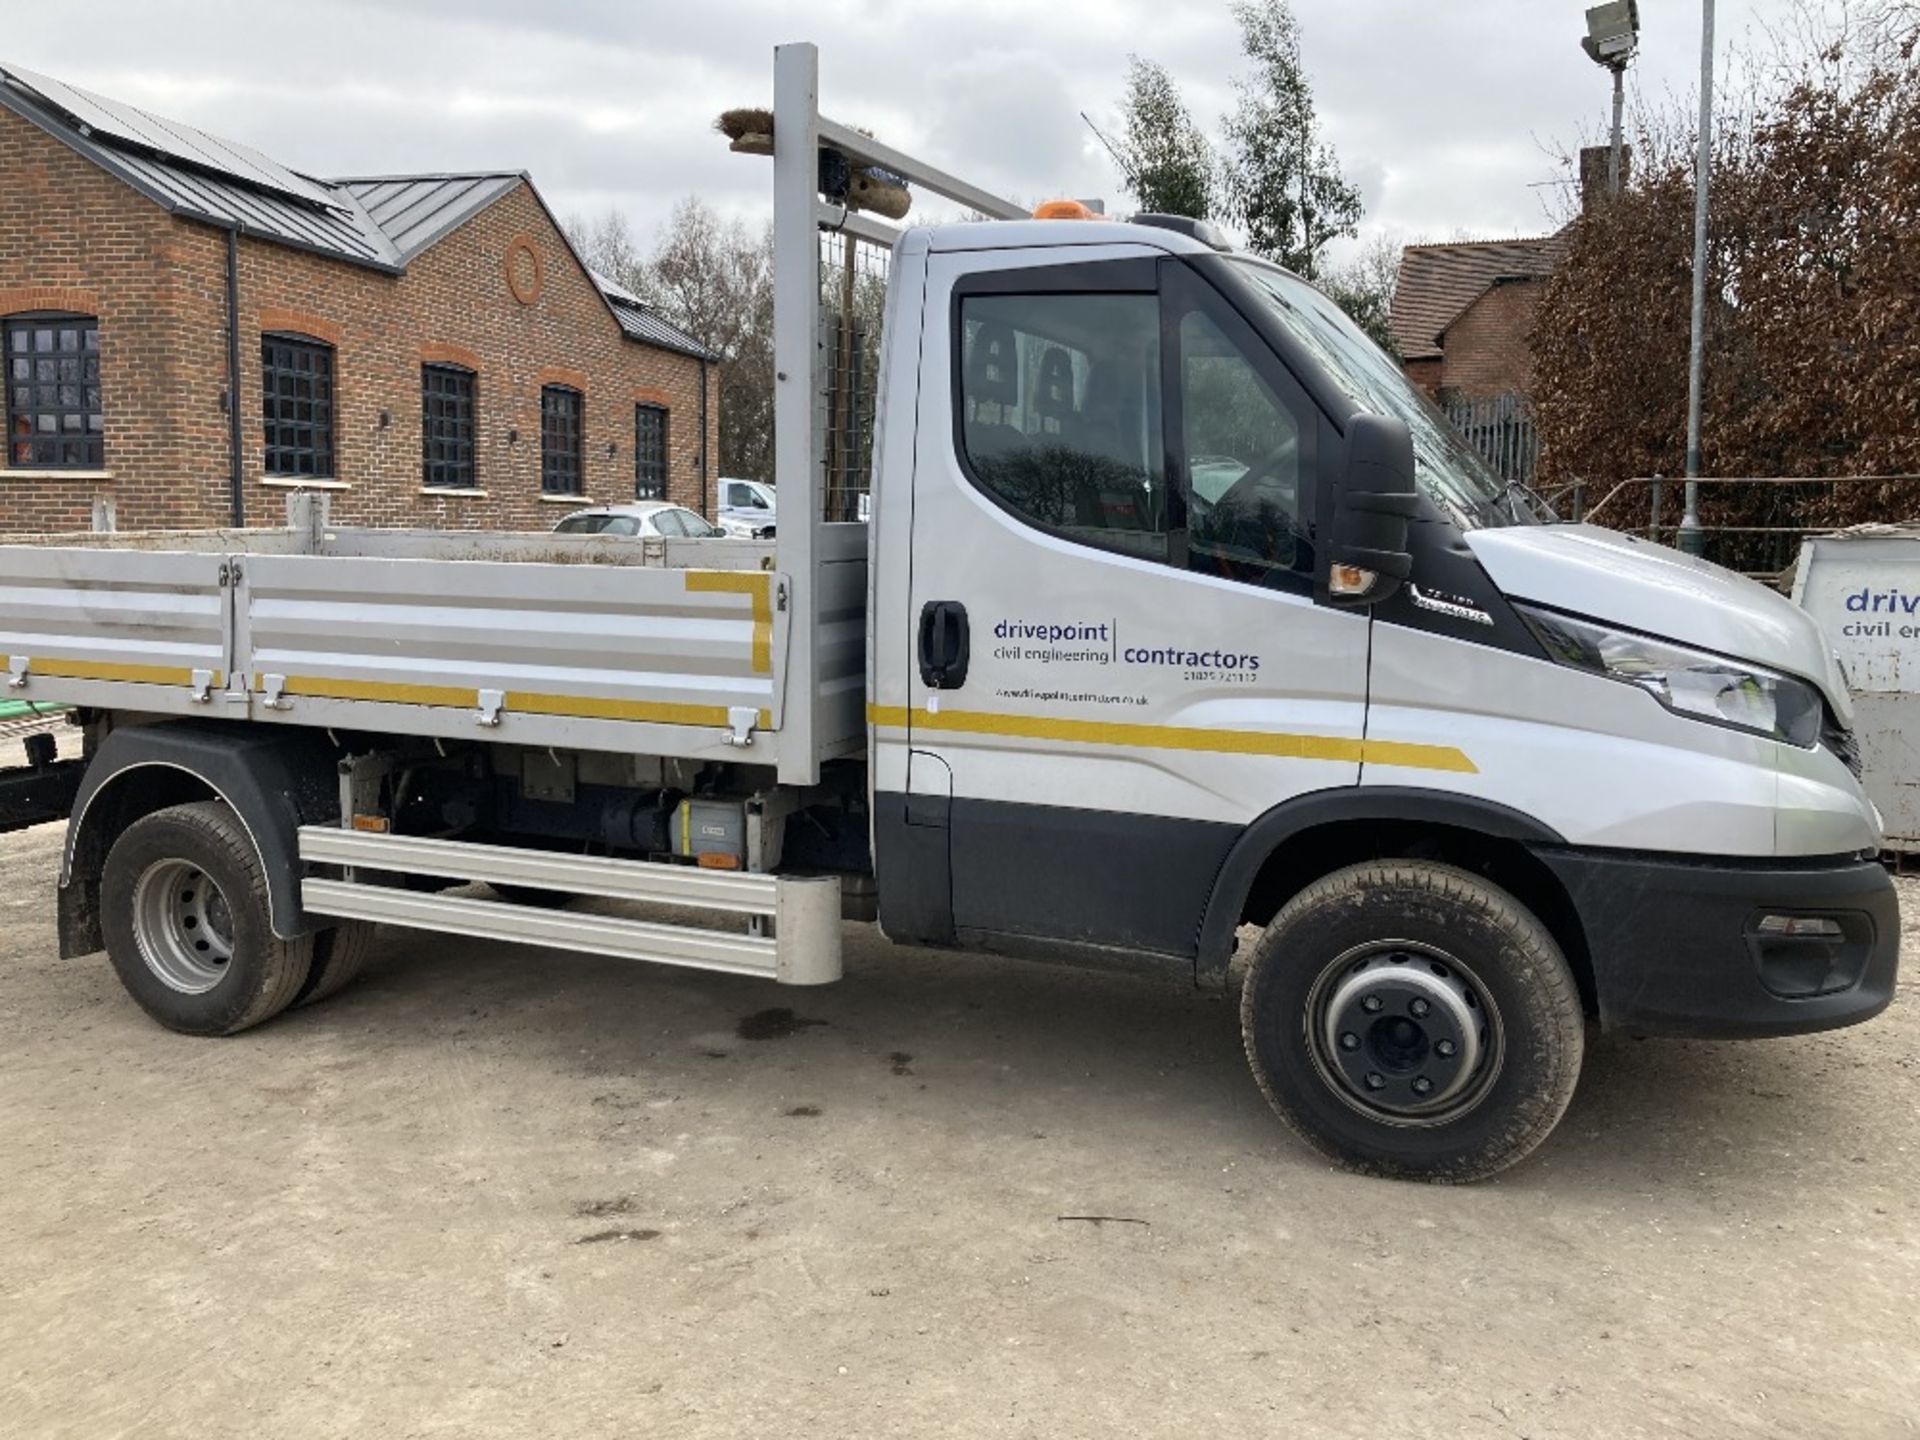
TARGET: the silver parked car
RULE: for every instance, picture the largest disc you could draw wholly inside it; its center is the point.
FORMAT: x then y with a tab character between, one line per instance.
642	517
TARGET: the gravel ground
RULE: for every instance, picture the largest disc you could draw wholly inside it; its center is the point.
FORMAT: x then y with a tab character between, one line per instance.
490	1191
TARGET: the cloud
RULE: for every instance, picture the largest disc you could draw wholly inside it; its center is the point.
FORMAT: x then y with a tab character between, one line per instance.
1445	115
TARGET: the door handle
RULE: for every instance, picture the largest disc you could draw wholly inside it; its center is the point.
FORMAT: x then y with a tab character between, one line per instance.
943	644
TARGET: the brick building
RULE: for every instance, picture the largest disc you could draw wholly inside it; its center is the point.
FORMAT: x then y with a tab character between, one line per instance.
430	348
1463	314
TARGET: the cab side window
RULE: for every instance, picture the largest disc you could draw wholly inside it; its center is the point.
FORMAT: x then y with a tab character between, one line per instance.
1061	417
1244	451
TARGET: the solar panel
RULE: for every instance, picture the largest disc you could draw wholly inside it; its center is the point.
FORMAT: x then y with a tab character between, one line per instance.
111	121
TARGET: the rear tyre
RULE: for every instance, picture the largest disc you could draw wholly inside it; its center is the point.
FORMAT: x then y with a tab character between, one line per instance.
184	909
339	955
1411	1020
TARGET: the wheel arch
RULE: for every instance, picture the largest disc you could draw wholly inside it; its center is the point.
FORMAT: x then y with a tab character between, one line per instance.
273	783
1301	840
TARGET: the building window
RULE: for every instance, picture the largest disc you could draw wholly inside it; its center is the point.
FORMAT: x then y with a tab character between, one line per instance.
649	452
560	440
53	393
296	384
446	427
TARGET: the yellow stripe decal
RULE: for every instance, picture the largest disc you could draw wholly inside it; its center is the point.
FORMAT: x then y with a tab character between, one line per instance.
1180	737
109	670
588	707
328	688
584	707
754	583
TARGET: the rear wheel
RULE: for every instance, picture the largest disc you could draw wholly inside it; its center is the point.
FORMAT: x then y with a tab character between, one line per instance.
1412	1020
339	955
184	908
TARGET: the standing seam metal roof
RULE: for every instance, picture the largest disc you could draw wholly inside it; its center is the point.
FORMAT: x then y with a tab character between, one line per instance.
653	328
273	204
380	221
642	322
113	120
413	211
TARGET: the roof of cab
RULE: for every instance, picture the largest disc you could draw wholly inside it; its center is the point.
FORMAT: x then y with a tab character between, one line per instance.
1026	234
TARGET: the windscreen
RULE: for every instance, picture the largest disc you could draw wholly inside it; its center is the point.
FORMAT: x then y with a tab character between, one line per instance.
1450	471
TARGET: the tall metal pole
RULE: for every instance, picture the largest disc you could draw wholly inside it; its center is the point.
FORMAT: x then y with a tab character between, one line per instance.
798	458
1691	537
1613	155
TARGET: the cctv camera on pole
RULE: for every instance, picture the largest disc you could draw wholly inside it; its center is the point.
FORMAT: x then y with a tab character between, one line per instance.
1612	40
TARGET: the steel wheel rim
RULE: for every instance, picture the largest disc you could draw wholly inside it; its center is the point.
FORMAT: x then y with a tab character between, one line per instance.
1426	1054
183	926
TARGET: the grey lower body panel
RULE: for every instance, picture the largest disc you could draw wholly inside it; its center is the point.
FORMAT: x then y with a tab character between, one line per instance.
1096	878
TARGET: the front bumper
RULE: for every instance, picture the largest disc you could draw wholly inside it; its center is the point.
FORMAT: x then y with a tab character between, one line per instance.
1677	947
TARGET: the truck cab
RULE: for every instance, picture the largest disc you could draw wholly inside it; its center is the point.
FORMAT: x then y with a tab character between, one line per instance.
1185	600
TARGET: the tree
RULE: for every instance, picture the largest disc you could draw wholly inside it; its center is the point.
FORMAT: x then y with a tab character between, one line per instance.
1813	315
1166	161
1277	181
1283	182
607	245
1363	287
714	279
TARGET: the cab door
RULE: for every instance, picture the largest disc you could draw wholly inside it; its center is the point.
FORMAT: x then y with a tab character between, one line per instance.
1112	657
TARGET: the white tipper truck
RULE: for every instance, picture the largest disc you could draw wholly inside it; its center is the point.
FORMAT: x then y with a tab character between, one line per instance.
1184	627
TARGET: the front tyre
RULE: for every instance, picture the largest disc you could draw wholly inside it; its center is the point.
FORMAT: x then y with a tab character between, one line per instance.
184	906
1411	1020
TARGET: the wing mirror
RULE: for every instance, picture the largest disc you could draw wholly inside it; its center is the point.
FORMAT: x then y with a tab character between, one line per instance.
1373	500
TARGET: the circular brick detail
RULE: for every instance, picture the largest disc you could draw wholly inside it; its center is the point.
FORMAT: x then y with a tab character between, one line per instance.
524	271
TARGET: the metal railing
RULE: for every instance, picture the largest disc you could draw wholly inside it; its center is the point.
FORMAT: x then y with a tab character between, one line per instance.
1502	429
1785	510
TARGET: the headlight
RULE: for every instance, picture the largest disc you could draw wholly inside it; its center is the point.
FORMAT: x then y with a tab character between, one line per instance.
1688	682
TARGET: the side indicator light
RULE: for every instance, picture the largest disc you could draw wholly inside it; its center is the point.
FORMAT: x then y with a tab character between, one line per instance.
1350	580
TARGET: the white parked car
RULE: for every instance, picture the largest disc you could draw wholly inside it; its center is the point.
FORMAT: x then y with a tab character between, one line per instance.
747	508
642	517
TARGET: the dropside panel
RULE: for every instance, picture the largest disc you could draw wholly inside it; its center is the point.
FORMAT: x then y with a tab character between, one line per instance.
662	661
127	629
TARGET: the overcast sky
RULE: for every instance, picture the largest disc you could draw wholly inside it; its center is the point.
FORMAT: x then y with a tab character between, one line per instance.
1447	113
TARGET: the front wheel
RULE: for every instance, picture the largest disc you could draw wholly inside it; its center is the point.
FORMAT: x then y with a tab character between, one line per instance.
1411	1020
